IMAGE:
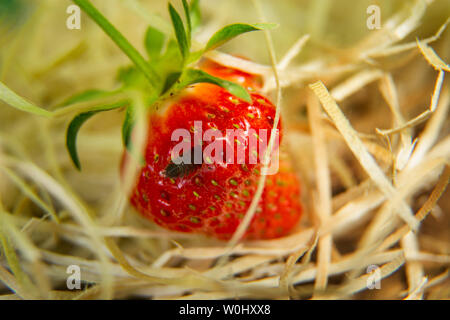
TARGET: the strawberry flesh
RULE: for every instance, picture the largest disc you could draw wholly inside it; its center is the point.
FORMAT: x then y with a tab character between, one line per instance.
212	198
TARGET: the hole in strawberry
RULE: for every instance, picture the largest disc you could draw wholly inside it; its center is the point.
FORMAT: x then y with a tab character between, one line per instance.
183	165
164	213
165	195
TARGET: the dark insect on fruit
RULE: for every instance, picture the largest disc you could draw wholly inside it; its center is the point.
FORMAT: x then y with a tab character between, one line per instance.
179	170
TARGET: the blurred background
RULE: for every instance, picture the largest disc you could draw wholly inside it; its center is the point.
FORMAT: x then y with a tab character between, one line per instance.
45	62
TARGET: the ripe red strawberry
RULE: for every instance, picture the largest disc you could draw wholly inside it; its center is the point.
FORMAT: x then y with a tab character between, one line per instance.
212	198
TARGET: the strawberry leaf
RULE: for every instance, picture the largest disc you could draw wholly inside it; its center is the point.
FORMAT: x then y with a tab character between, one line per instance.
191	76
229	32
196	15
194	57
14	100
127	126
133	79
171	80
171	60
154	42
188	22
180	33
130	77
75	125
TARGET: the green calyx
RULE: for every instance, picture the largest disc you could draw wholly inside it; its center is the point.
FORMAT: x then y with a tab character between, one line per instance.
167	69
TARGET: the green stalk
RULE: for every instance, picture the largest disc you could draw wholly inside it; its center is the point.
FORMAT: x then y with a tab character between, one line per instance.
120	40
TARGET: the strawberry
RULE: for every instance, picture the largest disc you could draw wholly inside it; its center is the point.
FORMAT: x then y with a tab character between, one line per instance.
206	196
279	209
212	198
